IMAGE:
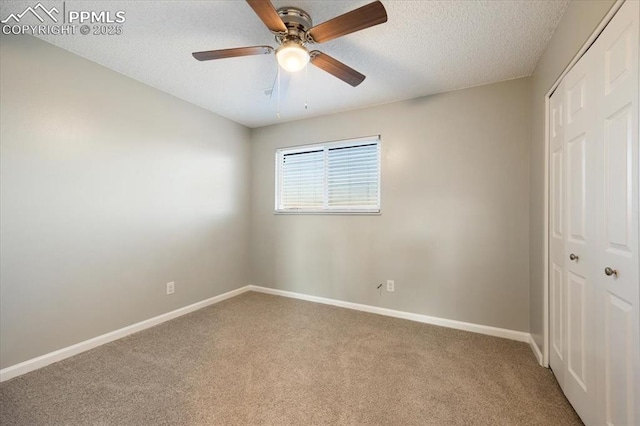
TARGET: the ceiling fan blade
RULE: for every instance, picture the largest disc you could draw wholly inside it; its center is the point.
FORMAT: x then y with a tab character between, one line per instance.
232	53
356	20
268	14
336	68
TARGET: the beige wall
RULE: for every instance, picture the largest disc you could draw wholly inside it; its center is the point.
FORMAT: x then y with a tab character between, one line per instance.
453	233
577	24
109	189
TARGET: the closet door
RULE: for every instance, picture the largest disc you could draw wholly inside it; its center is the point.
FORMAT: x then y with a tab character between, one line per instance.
557	296
615	266
594	276
579	145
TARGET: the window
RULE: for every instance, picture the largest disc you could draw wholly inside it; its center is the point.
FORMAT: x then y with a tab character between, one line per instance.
334	177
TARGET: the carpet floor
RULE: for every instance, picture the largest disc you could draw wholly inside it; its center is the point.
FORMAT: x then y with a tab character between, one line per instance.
261	359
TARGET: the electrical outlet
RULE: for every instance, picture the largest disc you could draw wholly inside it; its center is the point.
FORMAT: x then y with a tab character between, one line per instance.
391	285
171	287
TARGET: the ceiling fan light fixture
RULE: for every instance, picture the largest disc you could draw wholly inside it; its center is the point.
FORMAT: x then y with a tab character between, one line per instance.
292	56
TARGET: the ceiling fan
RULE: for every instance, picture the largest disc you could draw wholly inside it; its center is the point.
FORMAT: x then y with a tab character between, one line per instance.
293	30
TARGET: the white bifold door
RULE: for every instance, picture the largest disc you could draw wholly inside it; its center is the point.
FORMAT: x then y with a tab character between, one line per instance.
593	227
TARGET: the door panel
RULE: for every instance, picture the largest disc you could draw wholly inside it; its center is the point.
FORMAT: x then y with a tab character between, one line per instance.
557	312
557	299
576	189
616	243
618	181
579	141
576	345
618	361
618	59
576	98
557	185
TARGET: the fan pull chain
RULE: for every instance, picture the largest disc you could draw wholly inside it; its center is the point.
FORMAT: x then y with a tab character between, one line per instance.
278	112
306	86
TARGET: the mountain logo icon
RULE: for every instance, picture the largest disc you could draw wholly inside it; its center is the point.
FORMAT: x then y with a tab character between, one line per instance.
38	11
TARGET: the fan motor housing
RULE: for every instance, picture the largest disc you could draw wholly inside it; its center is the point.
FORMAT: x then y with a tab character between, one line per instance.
297	22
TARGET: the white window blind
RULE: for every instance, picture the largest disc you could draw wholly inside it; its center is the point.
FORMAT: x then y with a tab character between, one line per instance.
303	179
332	177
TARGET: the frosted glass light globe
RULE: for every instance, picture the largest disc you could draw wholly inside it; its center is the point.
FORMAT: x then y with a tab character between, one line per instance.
292	57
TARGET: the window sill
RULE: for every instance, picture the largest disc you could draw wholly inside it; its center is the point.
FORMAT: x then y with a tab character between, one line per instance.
329	213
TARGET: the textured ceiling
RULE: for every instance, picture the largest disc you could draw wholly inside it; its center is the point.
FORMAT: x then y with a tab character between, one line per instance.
426	47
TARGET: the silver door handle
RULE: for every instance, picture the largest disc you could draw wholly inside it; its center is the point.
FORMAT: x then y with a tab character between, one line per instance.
574	257
608	272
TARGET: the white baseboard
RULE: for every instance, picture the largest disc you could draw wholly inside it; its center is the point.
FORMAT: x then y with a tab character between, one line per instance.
520	336
69	351
536	350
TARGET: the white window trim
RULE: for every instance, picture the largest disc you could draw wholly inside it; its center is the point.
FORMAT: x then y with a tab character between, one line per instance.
325	146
